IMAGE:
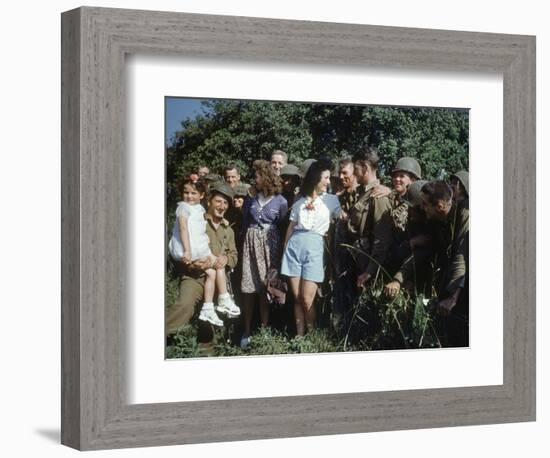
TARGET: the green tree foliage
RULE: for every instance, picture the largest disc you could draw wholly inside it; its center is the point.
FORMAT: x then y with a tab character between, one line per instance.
242	131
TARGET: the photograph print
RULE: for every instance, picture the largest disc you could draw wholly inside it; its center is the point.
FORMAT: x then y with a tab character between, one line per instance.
299	227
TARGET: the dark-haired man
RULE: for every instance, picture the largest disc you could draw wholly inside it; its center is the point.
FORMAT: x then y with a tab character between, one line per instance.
451	244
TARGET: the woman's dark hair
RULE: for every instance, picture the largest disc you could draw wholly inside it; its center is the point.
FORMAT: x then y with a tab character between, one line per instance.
272	183
313	176
199	186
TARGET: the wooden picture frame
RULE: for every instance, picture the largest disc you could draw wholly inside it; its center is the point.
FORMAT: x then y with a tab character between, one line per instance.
95	413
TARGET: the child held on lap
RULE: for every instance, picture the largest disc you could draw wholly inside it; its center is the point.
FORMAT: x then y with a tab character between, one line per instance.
190	243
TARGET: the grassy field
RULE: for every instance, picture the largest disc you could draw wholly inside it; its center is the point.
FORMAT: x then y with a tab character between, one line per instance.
374	323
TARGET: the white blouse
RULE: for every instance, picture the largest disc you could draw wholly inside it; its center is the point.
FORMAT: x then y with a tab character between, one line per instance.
317	217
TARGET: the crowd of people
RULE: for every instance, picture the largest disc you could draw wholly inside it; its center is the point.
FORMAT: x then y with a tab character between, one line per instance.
277	240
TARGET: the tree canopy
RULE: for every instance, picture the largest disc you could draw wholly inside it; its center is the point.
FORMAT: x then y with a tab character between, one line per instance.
241	131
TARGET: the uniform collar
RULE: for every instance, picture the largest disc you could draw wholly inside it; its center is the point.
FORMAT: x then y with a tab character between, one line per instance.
369	186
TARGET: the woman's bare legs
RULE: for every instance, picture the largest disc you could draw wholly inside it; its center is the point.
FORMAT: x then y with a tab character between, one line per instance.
298	308
308	289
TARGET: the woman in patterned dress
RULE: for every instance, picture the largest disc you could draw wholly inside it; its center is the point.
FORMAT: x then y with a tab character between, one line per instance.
262	246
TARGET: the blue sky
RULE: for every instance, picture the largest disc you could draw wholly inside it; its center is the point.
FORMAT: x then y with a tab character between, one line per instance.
177	110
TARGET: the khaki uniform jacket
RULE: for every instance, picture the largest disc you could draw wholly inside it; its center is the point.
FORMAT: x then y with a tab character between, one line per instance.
222	240
370	223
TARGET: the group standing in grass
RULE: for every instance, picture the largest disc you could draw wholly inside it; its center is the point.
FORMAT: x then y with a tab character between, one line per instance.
277	233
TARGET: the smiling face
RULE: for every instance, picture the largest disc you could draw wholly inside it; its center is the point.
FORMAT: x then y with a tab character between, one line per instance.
324	182
232	177
191	195
349	181
277	163
217	206
401	182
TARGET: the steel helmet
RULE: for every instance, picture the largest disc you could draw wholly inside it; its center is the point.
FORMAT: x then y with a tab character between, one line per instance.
409	165
464	177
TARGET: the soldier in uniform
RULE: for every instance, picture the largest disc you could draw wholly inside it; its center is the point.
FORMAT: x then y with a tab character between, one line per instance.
460	182
413	271
222	245
344	275
370	222
451	245
406	172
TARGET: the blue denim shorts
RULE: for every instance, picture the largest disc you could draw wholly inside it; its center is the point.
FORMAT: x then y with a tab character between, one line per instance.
303	256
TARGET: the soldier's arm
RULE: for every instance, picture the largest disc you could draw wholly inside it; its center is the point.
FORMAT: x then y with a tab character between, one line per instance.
459	252
382	234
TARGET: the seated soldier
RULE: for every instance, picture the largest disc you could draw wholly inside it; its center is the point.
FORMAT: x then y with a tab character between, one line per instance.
222	245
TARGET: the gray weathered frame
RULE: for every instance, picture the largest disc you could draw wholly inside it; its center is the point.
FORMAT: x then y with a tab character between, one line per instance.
95	41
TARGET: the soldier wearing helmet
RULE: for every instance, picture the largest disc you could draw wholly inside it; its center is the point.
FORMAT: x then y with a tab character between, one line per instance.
460	182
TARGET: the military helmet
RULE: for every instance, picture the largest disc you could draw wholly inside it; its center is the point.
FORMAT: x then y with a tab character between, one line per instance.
290	170
464	177
220	187
414	193
409	165
241	190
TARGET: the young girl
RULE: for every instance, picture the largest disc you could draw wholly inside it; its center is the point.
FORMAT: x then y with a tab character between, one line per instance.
190	243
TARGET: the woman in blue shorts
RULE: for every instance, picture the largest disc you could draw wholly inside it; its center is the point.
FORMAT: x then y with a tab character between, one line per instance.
303	258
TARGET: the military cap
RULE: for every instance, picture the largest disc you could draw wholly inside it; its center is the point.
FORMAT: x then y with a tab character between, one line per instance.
290	170
241	190
305	166
464	177
414	193
409	165
223	188
212	178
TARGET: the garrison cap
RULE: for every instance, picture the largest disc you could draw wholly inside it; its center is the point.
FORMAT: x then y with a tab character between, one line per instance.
290	170
220	187
241	190
212	178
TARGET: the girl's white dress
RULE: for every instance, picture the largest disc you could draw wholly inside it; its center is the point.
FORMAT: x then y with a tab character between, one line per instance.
196	226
